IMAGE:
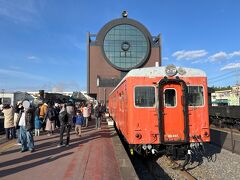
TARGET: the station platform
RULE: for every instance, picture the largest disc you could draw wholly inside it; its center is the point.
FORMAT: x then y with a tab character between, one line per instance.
97	154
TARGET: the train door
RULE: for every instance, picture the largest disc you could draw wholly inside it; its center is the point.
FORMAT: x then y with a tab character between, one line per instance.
173	121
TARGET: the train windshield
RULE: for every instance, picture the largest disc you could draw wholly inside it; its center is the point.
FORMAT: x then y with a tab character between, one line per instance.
195	95
170	98
144	96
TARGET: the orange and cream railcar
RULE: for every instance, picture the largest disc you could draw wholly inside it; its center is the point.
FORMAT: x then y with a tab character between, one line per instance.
162	110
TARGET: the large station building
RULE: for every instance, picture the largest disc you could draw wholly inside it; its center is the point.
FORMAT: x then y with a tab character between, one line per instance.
121	45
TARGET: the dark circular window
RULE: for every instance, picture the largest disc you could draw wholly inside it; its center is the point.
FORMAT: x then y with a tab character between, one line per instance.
125	46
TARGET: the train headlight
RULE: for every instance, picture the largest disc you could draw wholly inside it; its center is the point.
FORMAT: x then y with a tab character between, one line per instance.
171	70
181	71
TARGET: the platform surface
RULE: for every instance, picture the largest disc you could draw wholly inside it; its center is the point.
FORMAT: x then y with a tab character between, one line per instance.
92	156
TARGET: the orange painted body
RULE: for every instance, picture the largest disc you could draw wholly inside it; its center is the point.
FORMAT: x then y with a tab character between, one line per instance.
141	125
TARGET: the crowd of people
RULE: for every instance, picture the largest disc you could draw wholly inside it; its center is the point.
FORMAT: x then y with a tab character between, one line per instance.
24	120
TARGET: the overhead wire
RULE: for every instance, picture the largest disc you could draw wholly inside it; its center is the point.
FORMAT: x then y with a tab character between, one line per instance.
222	75
225	76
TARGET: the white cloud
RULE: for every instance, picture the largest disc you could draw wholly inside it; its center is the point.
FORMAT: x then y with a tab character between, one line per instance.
15	67
19	11
218	56
231	66
21	75
64	86
234	54
189	55
33	59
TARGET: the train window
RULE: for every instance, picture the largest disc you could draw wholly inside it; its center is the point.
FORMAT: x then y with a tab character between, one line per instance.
144	96
170	97
195	95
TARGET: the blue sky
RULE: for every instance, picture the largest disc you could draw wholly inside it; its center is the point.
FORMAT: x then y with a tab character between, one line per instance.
43	42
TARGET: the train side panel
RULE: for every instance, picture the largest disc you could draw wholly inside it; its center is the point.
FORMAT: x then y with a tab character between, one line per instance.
143	120
118	108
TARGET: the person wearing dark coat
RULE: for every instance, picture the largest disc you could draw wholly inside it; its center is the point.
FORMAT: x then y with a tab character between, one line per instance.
98	116
26	123
65	124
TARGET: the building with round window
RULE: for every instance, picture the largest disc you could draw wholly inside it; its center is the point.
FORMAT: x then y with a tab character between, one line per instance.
121	45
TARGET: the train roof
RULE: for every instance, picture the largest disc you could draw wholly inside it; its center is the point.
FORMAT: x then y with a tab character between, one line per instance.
161	72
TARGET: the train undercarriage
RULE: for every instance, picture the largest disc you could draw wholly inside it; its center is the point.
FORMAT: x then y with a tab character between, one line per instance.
184	152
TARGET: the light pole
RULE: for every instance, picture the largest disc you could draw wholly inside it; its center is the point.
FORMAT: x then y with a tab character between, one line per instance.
2	95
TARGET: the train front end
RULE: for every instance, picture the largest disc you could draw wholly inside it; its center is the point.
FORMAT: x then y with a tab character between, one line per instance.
183	111
179	119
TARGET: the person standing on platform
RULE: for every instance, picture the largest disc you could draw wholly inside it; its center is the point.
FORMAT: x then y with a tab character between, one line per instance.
26	123
50	119
18	107
64	125
37	121
90	108
9	122
98	115
43	111
57	110
79	123
86	114
103	111
71	113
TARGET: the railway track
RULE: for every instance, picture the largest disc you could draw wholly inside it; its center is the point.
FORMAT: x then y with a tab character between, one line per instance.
182	173
159	168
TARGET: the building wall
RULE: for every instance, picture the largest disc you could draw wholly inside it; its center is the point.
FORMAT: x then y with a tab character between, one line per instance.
100	67
231	97
102	76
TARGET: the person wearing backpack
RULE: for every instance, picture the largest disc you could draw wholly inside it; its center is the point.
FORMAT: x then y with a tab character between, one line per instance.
64	125
50	119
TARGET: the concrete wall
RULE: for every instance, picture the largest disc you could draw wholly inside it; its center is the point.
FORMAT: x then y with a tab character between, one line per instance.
223	139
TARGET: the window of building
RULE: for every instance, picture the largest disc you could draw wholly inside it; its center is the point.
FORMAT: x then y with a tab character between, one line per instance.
170	98
125	46
144	96
195	95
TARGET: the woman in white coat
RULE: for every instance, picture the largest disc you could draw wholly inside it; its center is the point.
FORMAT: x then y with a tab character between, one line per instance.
9	121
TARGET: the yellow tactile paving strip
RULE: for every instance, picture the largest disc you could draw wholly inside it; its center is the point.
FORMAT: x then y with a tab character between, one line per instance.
4	147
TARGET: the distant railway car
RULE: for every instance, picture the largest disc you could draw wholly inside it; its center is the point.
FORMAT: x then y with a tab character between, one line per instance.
162	110
225	116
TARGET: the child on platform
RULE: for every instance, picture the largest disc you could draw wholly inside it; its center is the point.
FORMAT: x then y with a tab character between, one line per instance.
37	121
79	123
